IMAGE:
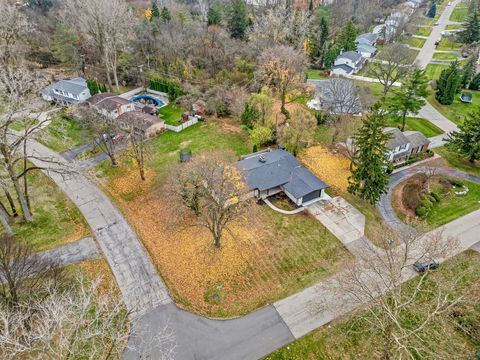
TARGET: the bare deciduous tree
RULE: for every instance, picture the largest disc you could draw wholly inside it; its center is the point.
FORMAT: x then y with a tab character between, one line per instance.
297	133
13	28
212	189
393	65
398	311
106	24
281	68
339	96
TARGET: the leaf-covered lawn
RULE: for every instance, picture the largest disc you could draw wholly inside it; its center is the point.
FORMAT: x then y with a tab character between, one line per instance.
261	261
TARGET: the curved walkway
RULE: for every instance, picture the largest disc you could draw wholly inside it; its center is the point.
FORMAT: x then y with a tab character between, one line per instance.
141	287
385	207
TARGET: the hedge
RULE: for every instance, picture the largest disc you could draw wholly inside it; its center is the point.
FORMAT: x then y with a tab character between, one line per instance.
171	88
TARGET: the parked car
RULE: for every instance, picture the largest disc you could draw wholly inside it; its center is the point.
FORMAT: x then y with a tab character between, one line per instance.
421	267
437	42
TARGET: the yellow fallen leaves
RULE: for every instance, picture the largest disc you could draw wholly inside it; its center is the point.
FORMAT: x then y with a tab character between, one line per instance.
99	269
333	169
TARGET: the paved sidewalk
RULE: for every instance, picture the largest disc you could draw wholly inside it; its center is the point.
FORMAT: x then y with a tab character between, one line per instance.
141	287
72	253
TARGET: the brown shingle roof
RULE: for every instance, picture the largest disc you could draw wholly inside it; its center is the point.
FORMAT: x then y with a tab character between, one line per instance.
108	101
138	119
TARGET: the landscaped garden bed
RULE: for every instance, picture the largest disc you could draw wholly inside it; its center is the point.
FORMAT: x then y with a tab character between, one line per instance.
434	200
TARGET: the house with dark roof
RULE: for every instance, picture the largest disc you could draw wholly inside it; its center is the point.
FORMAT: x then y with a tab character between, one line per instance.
272	172
348	63
111	105
404	144
143	123
67	92
367	51
369	39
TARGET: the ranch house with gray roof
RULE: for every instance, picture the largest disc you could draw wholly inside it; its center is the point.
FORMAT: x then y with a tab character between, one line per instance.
271	172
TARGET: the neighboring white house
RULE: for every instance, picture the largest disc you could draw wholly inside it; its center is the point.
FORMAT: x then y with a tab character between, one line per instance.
111	105
348	63
67	92
369	39
366	51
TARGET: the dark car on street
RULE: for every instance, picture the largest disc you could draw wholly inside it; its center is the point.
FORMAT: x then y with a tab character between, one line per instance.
421	267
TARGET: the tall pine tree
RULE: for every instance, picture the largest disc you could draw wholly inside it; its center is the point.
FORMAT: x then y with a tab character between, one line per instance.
409	98
348	37
448	84
466	141
468	71
166	16
237	19
471	33
369	178
213	16
433	11
155	10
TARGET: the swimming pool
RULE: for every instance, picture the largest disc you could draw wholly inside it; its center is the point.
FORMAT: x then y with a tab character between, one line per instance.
145	99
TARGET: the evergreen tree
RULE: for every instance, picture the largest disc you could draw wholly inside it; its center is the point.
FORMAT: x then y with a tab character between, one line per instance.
409	98
166	16
471	33
448	84
466	141
433	11
348	37
213	16
93	87
324	35
369	178
475	83
310	7
331	55
237	19
468	71
155	10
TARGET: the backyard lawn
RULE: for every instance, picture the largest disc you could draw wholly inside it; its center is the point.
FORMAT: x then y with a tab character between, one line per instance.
458	110
445	56
448	43
63	134
423	31
433	71
171	114
262	259
413	41
456	161
316	74
56	221
417	124
460	13
454	27
347	338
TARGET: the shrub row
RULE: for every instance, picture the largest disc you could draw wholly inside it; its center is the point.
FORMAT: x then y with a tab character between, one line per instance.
169	87
414	158
428	201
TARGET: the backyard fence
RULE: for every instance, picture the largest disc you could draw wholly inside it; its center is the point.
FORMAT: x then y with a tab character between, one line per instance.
191	121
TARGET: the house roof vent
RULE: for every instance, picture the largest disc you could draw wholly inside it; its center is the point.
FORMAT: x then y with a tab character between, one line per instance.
262	158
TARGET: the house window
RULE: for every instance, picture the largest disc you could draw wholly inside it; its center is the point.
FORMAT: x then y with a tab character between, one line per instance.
403	147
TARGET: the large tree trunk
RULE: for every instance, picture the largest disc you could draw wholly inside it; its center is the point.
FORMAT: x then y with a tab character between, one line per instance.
27	216
115	73
9	199
107	68
404	120
283	110
4	221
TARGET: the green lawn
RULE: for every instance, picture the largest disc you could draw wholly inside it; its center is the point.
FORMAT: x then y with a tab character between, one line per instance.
350	338
433	71
316	74
63	134
172	114
454	27
55	219
413	42
445	56
423	31
458	110
411	52
453	206
448	43
460	13
203	136
417	124
456	161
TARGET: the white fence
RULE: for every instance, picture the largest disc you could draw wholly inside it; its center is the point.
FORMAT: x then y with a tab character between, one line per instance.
191	121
